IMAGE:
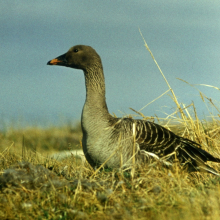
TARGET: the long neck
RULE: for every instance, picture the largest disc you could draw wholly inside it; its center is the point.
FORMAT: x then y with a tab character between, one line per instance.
95	109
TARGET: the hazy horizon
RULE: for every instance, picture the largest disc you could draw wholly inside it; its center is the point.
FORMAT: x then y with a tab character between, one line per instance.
183	36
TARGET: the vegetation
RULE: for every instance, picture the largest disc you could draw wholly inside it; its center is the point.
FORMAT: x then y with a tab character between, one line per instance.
35	186
71	189
153	192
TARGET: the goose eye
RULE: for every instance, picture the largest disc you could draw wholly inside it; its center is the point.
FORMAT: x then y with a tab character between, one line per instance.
75	50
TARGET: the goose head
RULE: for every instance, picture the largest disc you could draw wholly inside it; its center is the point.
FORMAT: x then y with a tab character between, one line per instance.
78	57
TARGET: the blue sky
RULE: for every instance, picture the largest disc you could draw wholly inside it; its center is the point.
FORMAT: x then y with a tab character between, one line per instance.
183	36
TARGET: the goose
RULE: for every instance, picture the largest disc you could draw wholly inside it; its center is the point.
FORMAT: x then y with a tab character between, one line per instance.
118	142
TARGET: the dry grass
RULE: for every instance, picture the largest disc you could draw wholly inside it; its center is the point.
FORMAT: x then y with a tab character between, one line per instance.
73	190
40	140
153	193
70	189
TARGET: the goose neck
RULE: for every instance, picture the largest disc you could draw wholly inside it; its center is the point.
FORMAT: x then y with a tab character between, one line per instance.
95	90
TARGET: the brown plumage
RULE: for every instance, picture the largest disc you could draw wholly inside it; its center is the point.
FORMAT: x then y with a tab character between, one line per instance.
110	140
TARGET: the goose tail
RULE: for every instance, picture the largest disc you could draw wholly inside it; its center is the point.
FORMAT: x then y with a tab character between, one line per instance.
206	168
199	157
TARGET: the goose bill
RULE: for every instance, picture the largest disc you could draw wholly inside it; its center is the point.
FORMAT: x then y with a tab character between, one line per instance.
61	61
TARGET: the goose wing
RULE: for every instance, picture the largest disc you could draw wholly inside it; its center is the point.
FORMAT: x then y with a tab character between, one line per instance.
165	144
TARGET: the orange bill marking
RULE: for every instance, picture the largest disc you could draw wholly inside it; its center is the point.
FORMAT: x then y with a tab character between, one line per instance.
54	61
